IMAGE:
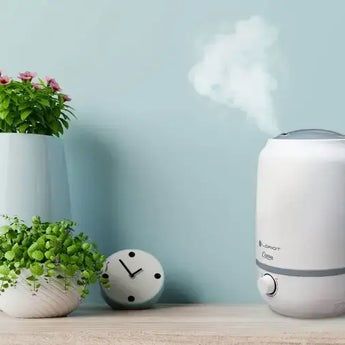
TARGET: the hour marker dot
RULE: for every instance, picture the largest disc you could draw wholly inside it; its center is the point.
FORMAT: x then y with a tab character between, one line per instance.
157	275
131	254
131	298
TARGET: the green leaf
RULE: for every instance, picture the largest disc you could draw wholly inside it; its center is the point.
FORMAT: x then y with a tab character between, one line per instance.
5	103
96	256
86	246
68	242
74	258
25	114
44	102
36	269
13	274
37	255
51	272
33	247
85	275
88	261
65	123
93	278
50	265
56	229
4	229
10	255
72	249
9	119
22	128
4	270
11	234
41	242
3	114
70	270
49	253
64	258
24	106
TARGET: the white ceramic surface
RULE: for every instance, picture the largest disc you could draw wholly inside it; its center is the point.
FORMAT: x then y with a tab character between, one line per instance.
51	299
33	177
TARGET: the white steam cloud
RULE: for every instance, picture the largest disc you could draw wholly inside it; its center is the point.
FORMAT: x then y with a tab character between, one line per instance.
234	70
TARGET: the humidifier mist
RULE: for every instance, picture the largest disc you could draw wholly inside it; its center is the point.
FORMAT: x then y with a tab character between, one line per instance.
235	70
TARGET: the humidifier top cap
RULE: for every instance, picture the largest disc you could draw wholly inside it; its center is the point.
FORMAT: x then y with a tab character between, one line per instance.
310	134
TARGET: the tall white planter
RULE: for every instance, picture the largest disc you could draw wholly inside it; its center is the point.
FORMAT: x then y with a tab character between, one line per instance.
33	177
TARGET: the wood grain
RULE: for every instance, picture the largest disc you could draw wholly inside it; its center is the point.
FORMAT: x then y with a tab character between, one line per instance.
173	325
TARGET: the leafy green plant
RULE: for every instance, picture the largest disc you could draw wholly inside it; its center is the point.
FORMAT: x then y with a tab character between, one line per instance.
48	250
38	107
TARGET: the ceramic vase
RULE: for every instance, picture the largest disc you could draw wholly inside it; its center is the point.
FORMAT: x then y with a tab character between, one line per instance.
33	177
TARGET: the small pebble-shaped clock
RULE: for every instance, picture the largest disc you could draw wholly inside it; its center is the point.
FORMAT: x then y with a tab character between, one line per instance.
136	280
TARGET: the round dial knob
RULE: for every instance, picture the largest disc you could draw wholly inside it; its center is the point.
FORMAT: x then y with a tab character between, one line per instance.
267	285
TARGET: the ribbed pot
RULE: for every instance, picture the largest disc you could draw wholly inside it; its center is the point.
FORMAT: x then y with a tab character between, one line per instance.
51	299
33	177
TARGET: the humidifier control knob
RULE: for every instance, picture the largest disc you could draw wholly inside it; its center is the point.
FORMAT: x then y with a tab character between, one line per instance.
267	285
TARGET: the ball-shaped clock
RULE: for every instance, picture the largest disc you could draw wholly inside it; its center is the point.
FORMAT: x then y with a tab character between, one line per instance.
136	279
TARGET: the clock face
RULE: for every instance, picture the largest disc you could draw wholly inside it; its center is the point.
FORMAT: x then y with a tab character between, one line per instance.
135	277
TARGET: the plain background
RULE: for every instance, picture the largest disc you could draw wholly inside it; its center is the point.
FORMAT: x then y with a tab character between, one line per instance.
152	165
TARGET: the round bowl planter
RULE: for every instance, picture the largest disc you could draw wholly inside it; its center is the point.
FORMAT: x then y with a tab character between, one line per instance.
51	299
33	177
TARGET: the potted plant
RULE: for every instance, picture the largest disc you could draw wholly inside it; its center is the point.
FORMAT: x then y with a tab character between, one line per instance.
45	268
33	176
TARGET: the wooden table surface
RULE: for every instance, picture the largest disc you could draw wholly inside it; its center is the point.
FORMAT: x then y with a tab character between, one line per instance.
172	324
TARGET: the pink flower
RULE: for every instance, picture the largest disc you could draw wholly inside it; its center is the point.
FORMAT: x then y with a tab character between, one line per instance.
27	76
66	98
4	80
54	85
49	79
37	86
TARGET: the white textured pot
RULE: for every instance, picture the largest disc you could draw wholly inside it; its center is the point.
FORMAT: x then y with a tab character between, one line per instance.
51	299
33	177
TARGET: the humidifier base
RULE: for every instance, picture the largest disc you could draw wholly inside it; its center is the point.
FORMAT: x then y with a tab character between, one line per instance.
306	297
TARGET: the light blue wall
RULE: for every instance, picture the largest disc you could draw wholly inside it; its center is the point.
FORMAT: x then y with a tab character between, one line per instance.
152	165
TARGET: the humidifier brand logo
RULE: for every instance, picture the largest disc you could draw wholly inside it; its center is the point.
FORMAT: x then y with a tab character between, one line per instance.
268	246
267	256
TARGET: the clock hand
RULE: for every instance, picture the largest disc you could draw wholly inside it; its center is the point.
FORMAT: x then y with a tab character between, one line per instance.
137	271
126	268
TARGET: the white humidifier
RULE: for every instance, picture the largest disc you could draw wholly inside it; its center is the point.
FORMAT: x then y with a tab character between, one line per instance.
300	225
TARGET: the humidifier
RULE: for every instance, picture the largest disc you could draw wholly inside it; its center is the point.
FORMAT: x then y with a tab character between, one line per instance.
300	223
